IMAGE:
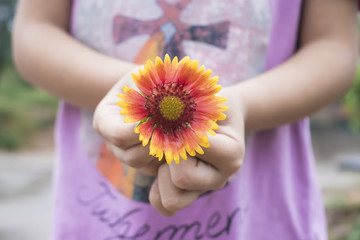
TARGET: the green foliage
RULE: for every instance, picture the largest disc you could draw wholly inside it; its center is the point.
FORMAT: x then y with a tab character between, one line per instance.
352	103
23	109
343	221
7	8
355	233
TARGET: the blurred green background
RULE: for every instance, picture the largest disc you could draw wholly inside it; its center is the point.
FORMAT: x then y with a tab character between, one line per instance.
26	111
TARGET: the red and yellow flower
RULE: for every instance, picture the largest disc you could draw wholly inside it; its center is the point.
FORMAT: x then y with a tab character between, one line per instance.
175	108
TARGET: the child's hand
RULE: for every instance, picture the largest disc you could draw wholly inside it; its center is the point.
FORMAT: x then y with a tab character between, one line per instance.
120	137
178	186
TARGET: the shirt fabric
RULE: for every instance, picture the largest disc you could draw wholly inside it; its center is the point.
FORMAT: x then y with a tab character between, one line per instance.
275	195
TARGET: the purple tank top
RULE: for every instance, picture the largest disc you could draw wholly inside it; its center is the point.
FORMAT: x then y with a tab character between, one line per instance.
275	195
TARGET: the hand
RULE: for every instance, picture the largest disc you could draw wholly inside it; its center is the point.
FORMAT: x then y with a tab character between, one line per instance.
178	186
120	137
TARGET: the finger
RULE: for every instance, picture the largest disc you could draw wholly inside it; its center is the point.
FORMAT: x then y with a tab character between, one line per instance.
136	156
195	174
173	198
110	124
155	200
152	168
108	121
226	151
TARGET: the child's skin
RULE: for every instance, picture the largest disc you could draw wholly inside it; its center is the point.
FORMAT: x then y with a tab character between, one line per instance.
320	72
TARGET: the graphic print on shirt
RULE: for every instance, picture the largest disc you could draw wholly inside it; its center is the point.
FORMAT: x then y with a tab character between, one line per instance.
168	32
229	36
166	36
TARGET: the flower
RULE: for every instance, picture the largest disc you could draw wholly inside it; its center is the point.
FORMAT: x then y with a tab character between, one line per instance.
175	108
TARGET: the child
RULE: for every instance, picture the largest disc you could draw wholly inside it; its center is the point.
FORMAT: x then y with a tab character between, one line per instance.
296	57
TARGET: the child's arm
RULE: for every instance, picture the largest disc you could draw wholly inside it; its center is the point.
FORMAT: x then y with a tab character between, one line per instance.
47	56
320	72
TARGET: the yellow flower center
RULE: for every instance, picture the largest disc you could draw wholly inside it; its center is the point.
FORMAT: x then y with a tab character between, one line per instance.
171	107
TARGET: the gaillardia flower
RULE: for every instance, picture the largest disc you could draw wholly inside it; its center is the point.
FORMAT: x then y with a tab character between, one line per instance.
175	108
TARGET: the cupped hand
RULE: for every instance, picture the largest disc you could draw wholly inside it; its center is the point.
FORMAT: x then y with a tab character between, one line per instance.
120	137
178	186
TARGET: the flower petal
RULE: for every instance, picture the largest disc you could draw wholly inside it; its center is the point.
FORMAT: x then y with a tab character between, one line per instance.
145	129
160	69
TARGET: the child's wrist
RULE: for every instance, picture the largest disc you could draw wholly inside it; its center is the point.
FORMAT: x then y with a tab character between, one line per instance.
243	93
239	97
